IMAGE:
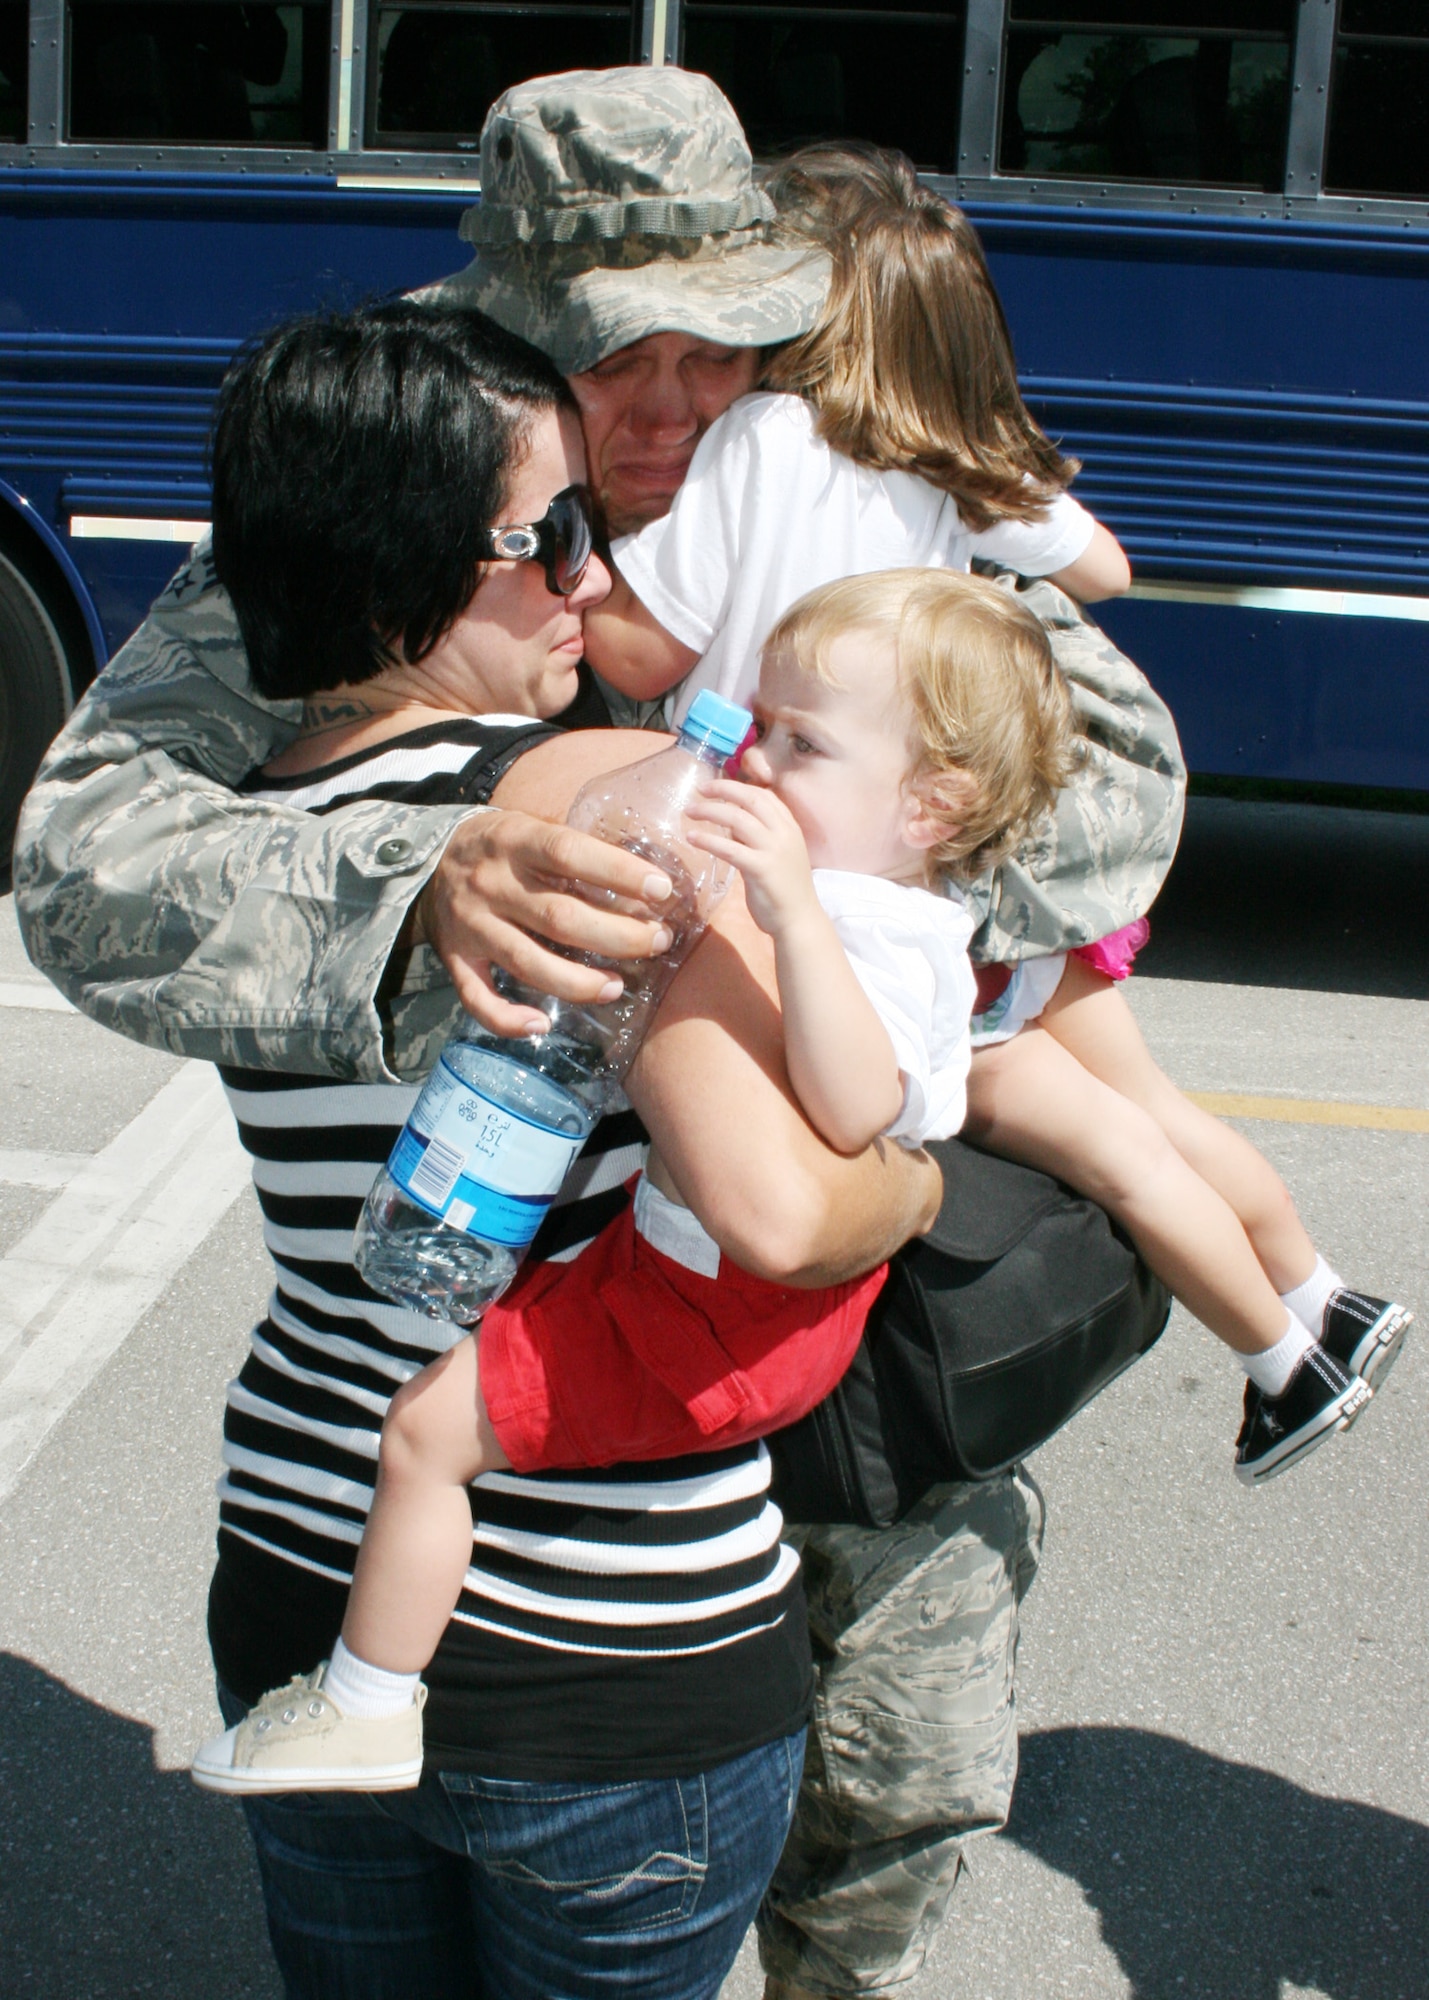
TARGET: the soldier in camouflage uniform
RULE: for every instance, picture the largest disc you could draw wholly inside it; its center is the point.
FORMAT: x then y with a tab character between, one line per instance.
618	208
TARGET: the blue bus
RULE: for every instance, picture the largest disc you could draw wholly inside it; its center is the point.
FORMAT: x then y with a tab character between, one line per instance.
1209	220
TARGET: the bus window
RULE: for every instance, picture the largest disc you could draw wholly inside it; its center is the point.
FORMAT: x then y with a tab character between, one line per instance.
1379	103
154	72
435	70
885	70
1158	90
14	66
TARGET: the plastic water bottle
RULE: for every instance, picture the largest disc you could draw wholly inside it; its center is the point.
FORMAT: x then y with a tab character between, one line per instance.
501	1118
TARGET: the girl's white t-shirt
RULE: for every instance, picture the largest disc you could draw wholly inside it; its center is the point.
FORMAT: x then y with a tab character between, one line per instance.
769	511
909	952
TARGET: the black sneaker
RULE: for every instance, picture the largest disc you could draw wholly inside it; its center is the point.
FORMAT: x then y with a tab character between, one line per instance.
1319	1399
1364	1334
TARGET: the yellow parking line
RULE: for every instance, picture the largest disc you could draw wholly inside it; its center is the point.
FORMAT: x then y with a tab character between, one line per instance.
1310	1111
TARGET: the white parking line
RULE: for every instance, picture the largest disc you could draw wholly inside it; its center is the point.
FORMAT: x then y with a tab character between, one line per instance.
37	993
79	1281
19	1168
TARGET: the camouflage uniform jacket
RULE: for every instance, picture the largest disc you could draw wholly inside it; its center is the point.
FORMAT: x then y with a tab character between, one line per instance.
190	918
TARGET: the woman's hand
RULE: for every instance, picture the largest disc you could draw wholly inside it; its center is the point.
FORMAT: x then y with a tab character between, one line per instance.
756	833
505	875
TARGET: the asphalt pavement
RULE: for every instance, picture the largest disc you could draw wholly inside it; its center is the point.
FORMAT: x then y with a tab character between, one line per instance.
1224	1792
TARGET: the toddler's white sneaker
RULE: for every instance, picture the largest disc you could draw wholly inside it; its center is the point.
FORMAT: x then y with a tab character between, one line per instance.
298	1740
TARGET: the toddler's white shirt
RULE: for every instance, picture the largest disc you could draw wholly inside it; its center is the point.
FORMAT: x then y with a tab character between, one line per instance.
909	952
769	511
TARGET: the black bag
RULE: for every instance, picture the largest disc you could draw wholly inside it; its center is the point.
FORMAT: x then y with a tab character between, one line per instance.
1021	1302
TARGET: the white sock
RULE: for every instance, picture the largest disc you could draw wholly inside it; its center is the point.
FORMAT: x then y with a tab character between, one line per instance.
1270	1368
1308	1301
361	1689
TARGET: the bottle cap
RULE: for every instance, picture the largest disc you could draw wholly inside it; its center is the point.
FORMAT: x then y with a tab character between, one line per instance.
720	723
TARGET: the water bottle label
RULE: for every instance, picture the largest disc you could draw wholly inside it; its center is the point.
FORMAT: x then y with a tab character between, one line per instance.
480	1167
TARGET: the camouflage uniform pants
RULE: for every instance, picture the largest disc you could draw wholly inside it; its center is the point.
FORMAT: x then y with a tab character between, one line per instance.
913	1746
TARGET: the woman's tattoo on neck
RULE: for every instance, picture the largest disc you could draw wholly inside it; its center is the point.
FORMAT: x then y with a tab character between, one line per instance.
322	714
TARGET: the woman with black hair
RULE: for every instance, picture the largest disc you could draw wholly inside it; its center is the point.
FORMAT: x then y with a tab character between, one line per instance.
616	1716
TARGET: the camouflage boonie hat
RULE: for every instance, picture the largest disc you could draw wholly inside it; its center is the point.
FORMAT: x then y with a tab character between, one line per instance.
617	203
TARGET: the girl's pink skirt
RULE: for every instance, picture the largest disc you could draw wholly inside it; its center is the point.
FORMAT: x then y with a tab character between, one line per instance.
1113	956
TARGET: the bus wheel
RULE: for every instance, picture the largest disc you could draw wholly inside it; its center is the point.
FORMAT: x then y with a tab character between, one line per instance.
34	695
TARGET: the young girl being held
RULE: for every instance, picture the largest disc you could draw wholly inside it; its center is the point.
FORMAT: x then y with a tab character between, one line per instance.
885	741
893	435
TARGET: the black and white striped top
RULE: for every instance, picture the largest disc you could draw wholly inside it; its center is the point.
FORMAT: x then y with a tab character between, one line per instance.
636	1621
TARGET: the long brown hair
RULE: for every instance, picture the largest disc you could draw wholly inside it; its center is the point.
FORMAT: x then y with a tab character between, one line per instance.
910	367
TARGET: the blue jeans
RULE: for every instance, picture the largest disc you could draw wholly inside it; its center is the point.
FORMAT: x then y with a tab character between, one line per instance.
473	1888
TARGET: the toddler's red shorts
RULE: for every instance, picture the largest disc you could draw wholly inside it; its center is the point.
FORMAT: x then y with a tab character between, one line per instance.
624	1354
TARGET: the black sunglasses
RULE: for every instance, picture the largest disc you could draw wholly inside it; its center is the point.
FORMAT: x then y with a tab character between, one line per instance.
560	541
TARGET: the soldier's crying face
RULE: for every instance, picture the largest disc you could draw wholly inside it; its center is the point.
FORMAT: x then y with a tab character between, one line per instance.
645	408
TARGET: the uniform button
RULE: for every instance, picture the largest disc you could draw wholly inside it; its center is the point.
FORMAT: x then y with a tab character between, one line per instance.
393	851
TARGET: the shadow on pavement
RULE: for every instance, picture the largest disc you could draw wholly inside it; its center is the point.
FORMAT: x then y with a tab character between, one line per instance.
1317	897
115	1879
1219	1881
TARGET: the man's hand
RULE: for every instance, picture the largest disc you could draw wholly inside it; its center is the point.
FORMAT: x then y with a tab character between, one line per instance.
505	875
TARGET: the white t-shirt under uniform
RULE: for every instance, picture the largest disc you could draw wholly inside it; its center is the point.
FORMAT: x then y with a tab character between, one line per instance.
769	511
